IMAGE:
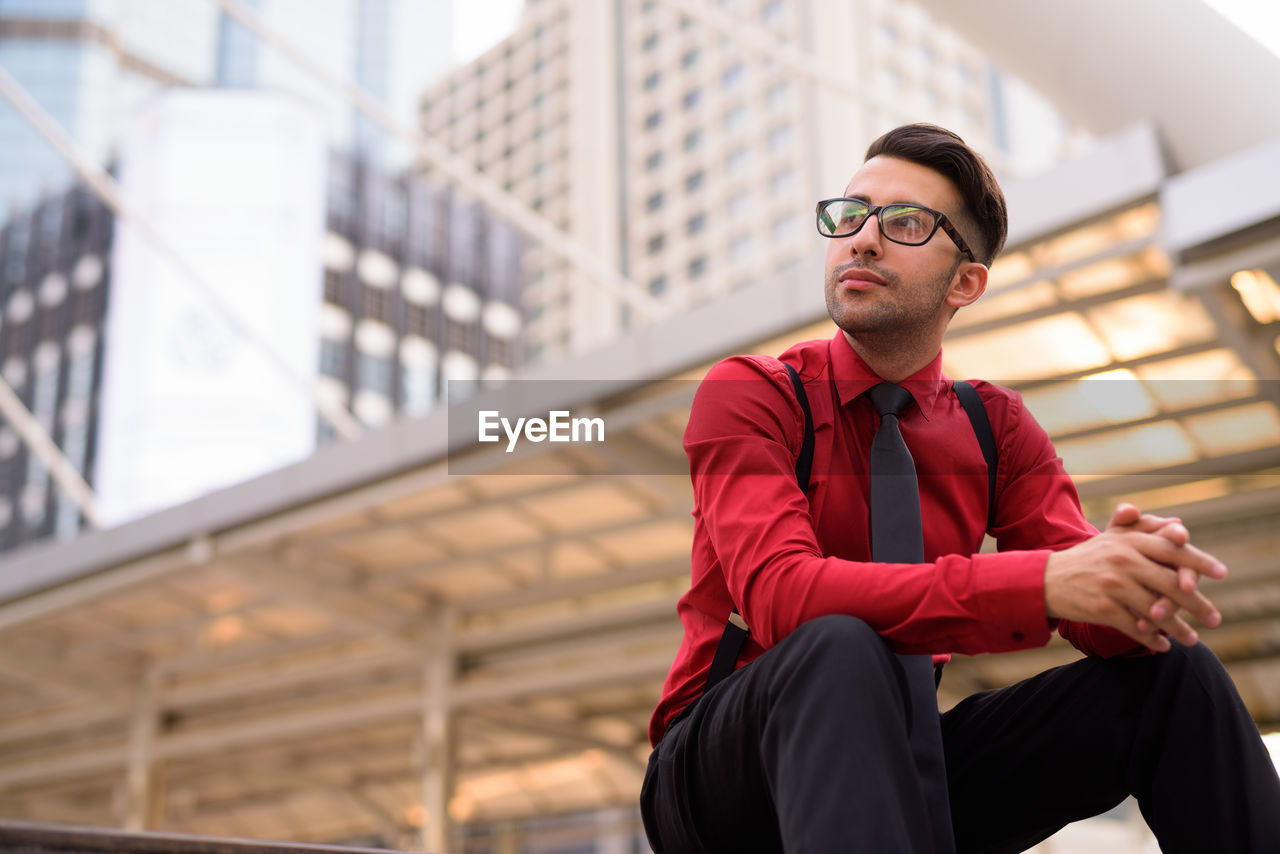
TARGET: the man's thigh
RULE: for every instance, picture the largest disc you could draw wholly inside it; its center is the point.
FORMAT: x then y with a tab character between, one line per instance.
1025	760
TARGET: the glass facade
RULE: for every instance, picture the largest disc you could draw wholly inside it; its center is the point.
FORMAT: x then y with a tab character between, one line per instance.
238	51
51	71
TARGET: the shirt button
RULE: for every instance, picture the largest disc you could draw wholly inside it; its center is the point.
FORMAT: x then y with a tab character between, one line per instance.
1017	636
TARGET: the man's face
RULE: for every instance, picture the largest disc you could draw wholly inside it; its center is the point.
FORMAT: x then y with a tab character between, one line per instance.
875	285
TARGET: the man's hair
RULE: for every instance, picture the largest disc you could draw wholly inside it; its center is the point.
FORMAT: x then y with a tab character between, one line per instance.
944	152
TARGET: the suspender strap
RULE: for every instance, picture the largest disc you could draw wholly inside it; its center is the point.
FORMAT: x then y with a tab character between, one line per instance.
804	462
986	440
735	630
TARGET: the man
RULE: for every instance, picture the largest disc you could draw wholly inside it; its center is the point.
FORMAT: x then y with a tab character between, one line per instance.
811	744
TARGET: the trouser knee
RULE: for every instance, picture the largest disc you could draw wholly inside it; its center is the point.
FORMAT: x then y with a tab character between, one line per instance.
1197	662
836	644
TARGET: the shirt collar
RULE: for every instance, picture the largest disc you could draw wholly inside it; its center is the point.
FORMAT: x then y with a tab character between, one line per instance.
852	377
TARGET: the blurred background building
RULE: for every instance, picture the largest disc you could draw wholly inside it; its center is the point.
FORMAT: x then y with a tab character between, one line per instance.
92	63
298	209
685	142
365	640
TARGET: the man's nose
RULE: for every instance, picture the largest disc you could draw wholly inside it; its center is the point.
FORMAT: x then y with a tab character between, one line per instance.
867	240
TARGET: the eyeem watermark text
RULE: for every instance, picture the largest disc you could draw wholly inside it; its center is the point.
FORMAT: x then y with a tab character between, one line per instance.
558	426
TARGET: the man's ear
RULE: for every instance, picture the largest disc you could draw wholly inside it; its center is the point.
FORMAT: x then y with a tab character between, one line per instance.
970	283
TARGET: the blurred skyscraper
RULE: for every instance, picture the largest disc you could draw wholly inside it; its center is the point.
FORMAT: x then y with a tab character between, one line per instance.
92	63
284	204
684	142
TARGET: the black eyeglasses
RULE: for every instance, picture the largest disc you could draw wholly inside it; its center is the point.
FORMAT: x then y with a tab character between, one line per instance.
910	225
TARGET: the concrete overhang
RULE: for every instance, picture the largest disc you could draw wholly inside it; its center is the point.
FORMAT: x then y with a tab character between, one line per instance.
1207	86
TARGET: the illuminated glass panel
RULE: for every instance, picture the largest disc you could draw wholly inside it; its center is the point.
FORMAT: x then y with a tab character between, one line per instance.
1111	274
1259	293
1095	239
1129	449
1008	270
993	306
1112	397
1153	323
1198	380
1038	349
1241	428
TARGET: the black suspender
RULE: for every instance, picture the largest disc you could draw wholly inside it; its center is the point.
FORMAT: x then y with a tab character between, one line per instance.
986	439
736	629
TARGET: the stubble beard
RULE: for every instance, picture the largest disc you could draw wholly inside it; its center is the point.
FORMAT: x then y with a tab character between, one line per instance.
893	311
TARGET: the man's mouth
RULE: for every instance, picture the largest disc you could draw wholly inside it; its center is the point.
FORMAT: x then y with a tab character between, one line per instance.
860	279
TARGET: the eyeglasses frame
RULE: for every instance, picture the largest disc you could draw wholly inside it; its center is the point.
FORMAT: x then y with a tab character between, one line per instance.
940	221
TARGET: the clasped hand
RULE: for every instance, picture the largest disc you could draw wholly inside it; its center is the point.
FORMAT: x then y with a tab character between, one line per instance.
1141	575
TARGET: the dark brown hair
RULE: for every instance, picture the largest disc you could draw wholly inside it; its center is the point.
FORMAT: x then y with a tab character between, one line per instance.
944	152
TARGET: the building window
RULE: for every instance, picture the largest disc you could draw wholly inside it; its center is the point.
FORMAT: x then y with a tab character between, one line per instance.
332	286
417	386
693	182
780	138
652	81
735	119
690	58
658	285
778	94
691	98
736	161
654	202
697	267
657	243
732	77
652	120
653	161
333	358
785	226
375	302
782	182
696	223
374	374
650	42
692	140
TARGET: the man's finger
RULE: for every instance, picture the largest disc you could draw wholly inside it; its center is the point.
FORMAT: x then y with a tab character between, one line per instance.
1163	551
1154	613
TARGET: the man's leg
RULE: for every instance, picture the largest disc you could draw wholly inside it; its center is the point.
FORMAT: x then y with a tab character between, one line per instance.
807	744
1074	741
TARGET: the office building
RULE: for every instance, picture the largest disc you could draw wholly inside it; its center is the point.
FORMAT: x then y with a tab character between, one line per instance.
313	270
678	149
92	63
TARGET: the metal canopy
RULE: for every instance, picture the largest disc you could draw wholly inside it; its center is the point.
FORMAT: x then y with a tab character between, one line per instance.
366	643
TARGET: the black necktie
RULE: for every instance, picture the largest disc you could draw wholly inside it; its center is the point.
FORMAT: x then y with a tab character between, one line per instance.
897	536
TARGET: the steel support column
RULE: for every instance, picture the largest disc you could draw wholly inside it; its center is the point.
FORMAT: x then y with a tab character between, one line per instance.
143	795
437	753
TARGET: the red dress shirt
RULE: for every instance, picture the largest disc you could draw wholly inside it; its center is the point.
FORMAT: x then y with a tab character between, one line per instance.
758	542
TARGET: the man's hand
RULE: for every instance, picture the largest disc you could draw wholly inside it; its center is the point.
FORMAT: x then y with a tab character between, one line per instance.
1129	517
1135	576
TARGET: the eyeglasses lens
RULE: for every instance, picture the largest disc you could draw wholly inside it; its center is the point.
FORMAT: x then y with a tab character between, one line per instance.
900	223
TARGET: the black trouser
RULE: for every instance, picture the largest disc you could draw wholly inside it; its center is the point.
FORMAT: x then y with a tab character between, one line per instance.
805	750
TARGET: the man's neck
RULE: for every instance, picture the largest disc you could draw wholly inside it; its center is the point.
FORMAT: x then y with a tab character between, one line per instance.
893	360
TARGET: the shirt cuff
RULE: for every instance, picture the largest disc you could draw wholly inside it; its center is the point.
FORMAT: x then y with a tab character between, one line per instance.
1010	598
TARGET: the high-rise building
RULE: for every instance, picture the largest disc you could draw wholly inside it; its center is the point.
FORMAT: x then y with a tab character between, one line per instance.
92	63
681	141
366	284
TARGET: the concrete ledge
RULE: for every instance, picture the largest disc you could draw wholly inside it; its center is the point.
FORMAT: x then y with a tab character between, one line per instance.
35	838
